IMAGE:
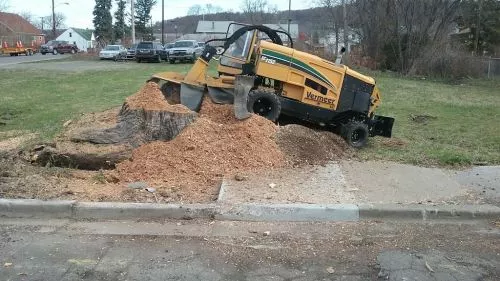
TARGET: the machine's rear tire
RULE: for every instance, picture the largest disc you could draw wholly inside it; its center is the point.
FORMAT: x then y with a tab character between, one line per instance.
265	104
355	133
54	52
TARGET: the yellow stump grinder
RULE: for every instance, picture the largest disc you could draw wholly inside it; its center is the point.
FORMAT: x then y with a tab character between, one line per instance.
258	74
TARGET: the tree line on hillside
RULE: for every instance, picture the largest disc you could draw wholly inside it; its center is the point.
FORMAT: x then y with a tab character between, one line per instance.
428	37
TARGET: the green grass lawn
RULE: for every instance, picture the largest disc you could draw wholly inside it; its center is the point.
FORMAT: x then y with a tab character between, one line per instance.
464	131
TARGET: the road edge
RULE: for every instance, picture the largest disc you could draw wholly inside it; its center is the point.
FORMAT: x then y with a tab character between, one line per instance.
33	208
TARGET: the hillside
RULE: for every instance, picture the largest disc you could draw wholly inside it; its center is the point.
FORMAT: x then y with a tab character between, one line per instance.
308	20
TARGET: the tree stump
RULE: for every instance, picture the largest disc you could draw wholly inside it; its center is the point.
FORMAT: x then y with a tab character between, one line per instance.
100	141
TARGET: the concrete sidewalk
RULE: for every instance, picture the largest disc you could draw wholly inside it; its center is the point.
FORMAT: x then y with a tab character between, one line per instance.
371	182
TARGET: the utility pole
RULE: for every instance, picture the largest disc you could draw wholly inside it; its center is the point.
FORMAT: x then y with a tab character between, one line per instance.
42	21
53	21
346	33
163	22
478	27
132	11
289	14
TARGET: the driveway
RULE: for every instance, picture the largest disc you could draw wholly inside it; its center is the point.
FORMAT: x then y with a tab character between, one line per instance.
8	60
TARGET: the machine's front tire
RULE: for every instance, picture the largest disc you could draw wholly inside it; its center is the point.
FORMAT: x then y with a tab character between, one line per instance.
265	104
355	133
54	52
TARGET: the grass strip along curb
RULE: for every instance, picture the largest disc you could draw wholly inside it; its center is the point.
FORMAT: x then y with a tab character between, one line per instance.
22	208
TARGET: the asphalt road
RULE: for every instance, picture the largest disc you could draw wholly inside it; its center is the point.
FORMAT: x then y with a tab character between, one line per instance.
202	250
8	60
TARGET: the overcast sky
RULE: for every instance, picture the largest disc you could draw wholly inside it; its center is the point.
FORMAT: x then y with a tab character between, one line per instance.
79	12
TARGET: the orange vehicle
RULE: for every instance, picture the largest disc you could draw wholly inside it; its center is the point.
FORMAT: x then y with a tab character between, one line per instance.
17	50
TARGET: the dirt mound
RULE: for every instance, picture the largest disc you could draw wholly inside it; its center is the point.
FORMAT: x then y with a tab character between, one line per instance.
193	163
149	97
303	145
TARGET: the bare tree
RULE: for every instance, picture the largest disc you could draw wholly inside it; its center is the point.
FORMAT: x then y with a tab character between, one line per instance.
400	30
333	12
195	10
257	11
28	16
4	5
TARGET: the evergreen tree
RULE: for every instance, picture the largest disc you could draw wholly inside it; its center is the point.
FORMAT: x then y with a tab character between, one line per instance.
103	22
121	29
143	18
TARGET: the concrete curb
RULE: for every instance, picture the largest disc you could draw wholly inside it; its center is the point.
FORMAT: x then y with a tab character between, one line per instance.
111	210
21	208
289	212
427	212
35	208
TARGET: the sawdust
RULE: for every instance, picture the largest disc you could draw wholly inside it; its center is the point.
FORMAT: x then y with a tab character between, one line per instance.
149	97
219	113
193	164
394	142
304	146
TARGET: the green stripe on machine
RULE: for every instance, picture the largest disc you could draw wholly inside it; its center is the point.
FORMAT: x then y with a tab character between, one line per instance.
297	64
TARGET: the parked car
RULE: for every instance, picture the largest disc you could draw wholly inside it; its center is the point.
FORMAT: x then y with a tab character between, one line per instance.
131	51
184	50
113	52
58	47
150	51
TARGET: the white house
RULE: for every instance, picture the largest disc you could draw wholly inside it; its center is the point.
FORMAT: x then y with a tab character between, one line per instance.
221	27
83	38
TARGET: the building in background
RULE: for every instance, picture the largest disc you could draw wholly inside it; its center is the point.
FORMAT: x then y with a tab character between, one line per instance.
14	28
84	39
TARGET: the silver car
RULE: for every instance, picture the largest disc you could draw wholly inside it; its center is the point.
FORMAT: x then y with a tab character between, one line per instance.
113	52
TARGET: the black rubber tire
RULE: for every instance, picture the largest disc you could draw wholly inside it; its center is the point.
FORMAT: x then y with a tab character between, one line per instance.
265	104
355	133
54	52
138	60
171	61
44	54
73	51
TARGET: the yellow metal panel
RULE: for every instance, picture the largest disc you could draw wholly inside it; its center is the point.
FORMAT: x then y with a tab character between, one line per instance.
293	91
228	70
295	77
197	73
170	76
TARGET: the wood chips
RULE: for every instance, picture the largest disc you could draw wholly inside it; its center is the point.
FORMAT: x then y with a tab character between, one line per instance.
150	97
192	165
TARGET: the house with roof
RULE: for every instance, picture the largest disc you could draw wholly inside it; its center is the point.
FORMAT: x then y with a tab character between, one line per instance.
84	39
221	27
14	28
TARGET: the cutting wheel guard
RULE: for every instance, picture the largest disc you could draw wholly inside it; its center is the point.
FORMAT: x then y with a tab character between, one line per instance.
192	96
243	85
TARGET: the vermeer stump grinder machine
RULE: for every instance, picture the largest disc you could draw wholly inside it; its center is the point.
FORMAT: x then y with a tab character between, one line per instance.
258	74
